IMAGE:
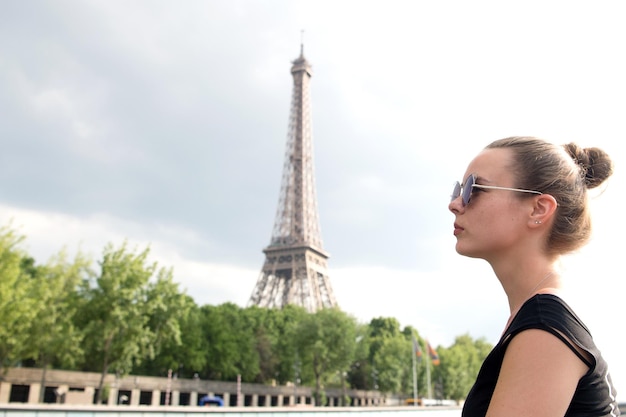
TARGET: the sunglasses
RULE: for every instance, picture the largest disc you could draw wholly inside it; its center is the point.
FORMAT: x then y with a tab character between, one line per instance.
466	191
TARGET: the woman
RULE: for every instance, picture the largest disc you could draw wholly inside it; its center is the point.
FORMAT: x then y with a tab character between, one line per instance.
522	205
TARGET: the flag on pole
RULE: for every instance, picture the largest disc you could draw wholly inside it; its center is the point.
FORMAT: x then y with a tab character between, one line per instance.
434	357
417	349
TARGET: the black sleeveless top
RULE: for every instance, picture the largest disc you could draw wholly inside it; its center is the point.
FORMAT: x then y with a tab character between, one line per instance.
594	395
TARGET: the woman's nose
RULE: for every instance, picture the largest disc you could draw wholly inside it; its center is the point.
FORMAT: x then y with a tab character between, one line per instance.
456	205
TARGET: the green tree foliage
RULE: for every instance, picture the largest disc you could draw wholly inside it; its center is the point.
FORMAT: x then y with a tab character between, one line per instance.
392	361
53	336
231	344
289	366
174	321
17	307
382	328
191	352
391	351
360	375
263	323
266	327
460	364
326	343
116	313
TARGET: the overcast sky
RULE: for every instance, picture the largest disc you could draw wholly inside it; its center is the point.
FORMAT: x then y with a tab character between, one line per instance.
164	123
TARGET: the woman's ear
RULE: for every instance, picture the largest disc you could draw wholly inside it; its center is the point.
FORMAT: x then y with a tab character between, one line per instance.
543	210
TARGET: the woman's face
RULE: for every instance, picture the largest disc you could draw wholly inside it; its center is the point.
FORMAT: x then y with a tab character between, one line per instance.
494	221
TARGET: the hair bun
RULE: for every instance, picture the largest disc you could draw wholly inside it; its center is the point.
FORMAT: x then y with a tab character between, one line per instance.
595	164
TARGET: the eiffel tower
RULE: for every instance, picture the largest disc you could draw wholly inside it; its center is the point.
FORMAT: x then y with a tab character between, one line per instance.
295	268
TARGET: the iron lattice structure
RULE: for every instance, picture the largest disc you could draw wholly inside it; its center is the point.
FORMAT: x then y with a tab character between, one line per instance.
295	268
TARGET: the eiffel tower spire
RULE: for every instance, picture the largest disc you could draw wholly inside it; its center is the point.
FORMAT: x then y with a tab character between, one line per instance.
295	267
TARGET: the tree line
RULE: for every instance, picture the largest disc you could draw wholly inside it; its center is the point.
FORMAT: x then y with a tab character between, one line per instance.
124	314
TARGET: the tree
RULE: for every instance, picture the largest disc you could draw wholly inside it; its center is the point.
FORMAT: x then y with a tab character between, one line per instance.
361	375
393	363
285	345
53	335
460	364
231	344
17	307
326	344
264	324
382	328
174	321
115	315
192	351
390	354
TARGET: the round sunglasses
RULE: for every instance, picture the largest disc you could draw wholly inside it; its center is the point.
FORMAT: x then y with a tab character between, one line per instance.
466	191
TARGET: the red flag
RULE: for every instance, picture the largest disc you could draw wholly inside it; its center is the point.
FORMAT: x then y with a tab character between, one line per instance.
434	357
417	349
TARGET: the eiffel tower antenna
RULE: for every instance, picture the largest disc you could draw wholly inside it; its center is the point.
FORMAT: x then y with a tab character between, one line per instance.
295	268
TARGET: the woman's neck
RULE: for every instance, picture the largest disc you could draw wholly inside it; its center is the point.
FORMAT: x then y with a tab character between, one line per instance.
522	280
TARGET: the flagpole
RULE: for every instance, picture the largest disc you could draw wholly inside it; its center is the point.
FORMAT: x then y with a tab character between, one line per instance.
428	363
417	353
414	379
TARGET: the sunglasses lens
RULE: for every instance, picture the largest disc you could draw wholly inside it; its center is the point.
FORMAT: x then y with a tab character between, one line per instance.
467	194
464	191
467	190
456	192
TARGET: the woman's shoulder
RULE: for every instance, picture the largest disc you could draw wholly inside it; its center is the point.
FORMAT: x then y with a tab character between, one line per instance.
548	310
